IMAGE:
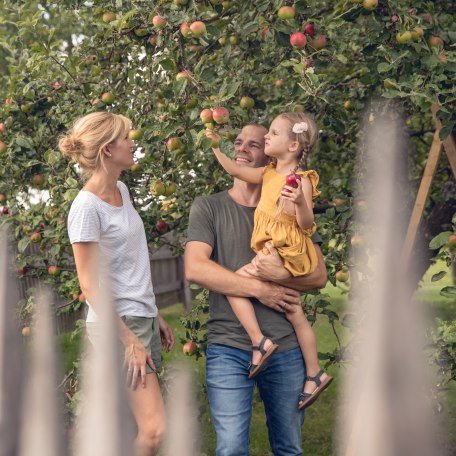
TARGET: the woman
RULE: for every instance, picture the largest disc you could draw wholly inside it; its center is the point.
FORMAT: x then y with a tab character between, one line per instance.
103	224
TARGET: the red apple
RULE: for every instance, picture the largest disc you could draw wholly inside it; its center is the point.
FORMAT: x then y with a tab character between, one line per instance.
2	127
185	30
38	180
435	41
298	40
189	348
5	210
286	12
278	83
173	143
221	115
206	116
107	98
22	271
109	16
394	18
81	297
292	180
2	198
356	240
309	29
198	29
161	226
452	240
35	237
159	22
182	75
319	42
338	202
264	32
2	147
26	331
53	270
309	62
247	103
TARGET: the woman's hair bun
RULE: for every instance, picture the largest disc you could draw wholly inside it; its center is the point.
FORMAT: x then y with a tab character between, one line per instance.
70	145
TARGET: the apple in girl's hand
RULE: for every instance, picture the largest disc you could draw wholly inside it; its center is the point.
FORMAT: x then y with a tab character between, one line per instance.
292	180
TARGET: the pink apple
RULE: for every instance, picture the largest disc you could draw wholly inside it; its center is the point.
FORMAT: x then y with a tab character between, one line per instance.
159	22
198	29
298	40
309	29
221	115
206	116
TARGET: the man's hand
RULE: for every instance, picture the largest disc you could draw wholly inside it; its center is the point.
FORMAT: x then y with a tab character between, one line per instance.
279	298
268	267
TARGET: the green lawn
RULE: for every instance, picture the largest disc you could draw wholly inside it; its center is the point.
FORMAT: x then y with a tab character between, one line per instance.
319	427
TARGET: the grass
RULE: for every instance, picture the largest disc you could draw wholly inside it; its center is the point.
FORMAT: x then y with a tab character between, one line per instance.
319	429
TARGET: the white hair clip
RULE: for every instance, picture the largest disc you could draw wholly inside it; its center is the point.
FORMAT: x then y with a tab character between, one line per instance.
300	127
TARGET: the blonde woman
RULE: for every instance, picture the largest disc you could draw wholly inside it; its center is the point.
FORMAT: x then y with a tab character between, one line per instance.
104	224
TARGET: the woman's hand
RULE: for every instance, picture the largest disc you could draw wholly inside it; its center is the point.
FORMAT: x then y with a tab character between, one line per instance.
295	195
166	334
135	359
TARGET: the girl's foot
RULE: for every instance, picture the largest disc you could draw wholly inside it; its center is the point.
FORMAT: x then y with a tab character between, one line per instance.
260	355
313	388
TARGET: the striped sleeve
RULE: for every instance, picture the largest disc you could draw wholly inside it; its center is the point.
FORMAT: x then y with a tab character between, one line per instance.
83	222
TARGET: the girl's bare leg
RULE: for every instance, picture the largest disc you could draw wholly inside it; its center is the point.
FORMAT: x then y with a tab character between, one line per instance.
245	313
308	344
149	412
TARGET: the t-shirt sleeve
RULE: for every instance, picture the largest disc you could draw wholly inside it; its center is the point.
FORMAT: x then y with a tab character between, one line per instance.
201	223
83	222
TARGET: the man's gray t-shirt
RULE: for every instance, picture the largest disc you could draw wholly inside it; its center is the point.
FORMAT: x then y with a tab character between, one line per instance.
227	227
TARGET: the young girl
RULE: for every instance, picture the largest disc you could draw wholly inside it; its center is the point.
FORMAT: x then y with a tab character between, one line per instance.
284	216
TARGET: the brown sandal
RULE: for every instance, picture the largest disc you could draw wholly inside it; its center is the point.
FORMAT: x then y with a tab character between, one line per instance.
255	369
307	399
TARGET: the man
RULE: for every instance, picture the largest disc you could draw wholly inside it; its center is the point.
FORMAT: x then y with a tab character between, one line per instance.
218	243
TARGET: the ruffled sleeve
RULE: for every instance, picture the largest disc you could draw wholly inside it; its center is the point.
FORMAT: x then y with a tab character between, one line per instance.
314	179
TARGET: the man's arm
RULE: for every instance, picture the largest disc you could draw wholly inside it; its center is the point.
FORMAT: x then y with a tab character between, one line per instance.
200	269
270	267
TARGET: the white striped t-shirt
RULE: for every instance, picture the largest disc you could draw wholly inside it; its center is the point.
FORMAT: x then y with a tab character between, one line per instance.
119	232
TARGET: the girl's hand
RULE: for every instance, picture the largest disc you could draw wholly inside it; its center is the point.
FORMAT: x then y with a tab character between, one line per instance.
135	359
166	334
295	195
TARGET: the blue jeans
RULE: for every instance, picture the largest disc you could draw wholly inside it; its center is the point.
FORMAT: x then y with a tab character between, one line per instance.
230	393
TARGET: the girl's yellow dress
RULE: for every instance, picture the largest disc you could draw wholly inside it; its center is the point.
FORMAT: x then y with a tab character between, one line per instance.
281	228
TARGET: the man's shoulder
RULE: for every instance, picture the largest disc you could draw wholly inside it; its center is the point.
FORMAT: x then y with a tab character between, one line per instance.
215	200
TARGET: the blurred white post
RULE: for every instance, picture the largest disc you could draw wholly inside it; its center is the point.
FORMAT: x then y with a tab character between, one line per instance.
384	411
103	427
11	356
182	409
41	420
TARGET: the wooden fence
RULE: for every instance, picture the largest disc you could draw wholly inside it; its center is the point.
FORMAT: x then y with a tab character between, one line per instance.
170	287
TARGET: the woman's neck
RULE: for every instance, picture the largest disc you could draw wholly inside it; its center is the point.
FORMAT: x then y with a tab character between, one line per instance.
103	185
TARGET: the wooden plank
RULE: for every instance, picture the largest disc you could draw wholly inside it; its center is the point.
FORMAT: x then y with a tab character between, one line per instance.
448	144
421	198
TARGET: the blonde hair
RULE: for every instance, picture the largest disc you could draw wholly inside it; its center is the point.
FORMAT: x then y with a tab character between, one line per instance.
85	141
306	139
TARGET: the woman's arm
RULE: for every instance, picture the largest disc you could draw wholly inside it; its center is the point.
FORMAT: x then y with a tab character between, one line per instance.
86	255
302	198
250	175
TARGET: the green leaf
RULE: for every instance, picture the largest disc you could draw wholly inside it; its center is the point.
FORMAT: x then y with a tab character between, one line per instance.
438	276
439	240
448	292
383	67
446	131
23	244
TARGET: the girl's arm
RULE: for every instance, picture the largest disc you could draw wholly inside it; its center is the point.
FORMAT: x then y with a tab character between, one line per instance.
250	175
302	198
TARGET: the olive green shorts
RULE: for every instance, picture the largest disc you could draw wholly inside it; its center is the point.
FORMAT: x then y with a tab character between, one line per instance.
144	328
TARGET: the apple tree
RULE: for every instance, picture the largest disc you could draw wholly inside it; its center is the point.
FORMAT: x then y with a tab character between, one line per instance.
178	67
